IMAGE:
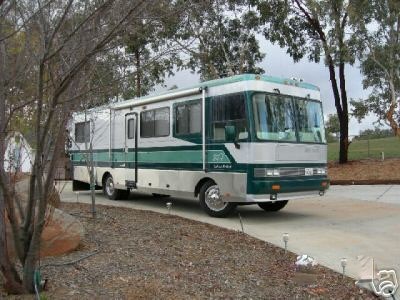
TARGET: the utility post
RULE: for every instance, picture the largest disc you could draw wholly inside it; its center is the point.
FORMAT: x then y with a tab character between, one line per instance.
92	180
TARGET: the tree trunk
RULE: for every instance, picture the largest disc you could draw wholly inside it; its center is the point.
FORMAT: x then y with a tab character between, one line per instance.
35	213
29	270
344	118
393	104
392	122
2	108
12	282
92	181
342	110
344	139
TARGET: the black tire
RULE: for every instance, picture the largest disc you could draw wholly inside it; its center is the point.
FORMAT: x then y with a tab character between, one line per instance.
217	212
273	206
112	193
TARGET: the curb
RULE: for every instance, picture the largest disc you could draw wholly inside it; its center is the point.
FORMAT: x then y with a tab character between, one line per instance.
364	182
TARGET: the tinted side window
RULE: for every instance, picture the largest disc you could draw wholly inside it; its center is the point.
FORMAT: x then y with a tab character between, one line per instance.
147	123
82	132
154	123
188	118
229	110
181	119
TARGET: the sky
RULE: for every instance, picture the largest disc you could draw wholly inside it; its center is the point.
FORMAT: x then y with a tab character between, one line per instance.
278	63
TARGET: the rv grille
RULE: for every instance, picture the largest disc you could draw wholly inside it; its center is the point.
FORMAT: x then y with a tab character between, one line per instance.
291	171
287	172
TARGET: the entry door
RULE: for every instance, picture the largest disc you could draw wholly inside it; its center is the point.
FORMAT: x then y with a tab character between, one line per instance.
131	133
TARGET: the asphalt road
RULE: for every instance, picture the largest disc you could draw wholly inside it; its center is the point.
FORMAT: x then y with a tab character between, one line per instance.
347	222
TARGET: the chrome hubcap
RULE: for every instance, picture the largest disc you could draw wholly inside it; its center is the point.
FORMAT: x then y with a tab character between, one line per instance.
110	186
213	199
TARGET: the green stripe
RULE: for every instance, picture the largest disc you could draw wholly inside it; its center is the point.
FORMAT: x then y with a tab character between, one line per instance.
171	157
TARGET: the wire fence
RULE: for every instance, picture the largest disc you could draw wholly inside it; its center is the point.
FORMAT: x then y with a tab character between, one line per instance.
365	147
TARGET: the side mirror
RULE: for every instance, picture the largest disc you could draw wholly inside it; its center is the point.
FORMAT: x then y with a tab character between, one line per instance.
230	133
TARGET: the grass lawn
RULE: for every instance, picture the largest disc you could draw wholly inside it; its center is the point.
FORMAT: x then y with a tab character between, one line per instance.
367	149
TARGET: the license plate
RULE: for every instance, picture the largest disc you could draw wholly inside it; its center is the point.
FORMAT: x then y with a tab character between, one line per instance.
308	171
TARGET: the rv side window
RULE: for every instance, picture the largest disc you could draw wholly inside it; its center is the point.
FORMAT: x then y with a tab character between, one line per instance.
131	129
147	123
229	110
82	132
161	122
154	123
188	118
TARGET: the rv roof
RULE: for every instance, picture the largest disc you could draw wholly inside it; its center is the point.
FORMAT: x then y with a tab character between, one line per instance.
212	83
244	77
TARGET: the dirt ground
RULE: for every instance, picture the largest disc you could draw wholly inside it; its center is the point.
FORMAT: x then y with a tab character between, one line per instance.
368	171
146	255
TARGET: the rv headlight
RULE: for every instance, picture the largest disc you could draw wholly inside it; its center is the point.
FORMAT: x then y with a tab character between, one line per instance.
261	172
321	171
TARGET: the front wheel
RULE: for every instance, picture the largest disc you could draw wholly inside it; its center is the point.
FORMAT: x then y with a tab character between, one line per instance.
111	192
211	201
273	206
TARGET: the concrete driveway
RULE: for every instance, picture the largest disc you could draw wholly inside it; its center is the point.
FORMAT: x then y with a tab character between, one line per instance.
349	221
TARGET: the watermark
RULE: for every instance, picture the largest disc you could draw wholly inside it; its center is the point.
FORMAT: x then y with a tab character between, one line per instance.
383	282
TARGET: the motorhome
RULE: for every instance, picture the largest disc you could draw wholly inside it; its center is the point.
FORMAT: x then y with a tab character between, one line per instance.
245	139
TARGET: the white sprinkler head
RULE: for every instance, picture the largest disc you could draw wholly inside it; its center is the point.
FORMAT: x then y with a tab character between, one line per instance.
343	262
285	237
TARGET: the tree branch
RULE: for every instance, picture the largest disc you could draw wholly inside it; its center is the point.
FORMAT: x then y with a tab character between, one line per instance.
19	28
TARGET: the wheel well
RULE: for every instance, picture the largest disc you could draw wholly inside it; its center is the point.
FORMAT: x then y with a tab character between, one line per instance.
103	179
200	184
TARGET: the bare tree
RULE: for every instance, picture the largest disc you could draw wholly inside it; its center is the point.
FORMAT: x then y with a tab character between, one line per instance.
60	40
9	272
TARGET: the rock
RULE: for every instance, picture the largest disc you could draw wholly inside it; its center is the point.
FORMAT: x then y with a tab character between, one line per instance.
62	232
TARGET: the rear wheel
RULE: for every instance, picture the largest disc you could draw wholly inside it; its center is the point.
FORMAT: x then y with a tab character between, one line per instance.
111	192
273	206
211	201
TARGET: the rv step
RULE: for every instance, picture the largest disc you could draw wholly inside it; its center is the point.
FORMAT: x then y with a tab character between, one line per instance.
130	184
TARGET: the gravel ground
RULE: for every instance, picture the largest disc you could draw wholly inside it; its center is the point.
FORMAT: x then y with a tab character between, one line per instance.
146	255
371	171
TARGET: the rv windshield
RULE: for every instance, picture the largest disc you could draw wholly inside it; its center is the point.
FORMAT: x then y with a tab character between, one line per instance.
288	119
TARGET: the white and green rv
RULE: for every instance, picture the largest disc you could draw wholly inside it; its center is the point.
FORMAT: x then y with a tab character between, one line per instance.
238	140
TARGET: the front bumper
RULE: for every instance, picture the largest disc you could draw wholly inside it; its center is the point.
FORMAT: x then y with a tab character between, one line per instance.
282	196
276	190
